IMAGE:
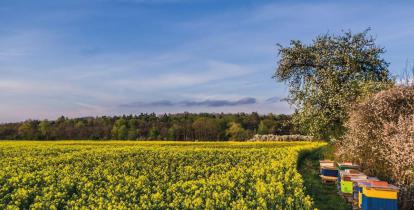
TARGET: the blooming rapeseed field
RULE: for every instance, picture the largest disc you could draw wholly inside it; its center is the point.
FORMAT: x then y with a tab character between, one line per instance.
152	175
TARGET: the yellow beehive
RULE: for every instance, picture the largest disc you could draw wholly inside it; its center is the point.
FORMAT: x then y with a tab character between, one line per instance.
378	190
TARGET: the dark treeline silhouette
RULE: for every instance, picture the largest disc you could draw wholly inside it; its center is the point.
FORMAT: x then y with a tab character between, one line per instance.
180	127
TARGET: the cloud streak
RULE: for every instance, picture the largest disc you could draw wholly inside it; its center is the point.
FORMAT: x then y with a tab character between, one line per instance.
275	99
191	103
219	103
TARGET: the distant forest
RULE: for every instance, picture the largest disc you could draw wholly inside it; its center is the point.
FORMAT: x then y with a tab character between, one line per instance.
179	127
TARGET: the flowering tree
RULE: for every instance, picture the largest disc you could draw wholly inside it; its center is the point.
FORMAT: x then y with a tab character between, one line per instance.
326	76
380	138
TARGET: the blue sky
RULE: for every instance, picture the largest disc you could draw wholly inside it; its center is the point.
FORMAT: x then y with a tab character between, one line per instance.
109	57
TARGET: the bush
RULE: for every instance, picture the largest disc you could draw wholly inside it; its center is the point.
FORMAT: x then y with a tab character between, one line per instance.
272	137
380	137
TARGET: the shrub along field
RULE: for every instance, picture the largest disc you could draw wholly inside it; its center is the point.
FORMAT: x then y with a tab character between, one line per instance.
152	175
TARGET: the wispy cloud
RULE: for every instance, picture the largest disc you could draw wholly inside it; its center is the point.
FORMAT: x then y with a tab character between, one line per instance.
163	103
190	103
207	72
219	103
275	99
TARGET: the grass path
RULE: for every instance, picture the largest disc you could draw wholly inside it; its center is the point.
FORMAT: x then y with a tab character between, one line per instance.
325	196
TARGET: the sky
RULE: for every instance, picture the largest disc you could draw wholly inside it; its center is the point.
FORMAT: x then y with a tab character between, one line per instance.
111	57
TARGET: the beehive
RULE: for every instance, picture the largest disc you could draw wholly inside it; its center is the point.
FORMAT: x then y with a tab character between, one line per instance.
342	166
329	171
328	163
378	195
347	185
357	189
347	165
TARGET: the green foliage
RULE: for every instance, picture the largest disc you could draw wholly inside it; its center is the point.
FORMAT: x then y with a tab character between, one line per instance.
329	74
206	129
263	128
132	134
237	132
122	132
154	133
28	129
181	127
44	128
151	175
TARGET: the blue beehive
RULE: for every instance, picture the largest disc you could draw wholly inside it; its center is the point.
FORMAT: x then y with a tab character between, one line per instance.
377	195
329	171
369	203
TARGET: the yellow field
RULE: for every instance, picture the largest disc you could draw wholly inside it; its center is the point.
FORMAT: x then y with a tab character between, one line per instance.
151	175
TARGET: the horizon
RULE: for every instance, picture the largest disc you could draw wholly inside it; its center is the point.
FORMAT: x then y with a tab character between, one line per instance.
122	57
146	113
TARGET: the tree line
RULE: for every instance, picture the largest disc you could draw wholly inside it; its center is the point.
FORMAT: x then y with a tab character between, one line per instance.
149	126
